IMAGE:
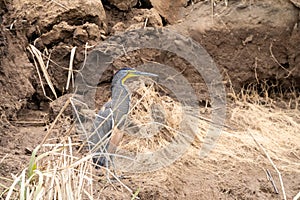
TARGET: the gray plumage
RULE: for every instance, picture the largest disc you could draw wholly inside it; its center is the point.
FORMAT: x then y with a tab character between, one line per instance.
113	114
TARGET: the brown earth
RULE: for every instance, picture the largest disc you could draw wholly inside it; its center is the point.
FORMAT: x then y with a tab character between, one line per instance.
255	44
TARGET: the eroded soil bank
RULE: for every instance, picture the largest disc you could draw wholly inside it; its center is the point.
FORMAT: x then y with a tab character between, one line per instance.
255	44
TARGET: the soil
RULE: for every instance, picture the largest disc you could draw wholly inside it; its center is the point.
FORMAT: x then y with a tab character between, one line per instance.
255	44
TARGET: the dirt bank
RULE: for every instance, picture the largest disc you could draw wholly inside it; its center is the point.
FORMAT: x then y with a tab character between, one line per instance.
255	44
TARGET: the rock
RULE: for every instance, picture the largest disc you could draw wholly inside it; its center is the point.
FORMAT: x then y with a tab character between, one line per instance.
58	104
118	27
296	3
135	26
60	31
58	27
169	9
92	30
139	19
44	14
257	50
123	4
80	35
152	16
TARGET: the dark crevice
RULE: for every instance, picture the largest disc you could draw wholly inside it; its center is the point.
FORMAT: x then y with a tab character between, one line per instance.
32	37
80	19
3	9
106	3
104	82
285	65
164	21
272	87
108	6
38	101
188	3
145	4
204	103
34	102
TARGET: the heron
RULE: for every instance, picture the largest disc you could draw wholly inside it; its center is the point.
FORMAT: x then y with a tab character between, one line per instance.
103	141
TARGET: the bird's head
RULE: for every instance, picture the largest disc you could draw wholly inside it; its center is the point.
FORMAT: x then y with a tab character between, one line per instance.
126	73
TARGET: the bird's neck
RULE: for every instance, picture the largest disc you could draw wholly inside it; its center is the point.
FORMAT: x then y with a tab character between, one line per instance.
120	102
120	94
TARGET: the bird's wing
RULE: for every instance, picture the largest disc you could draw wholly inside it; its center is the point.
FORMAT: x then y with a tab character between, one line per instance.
103	140
102	126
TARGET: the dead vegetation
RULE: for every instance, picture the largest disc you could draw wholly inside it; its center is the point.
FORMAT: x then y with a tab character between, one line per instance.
62	170
262	132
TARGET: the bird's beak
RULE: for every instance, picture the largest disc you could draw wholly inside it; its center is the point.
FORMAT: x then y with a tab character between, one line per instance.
138	73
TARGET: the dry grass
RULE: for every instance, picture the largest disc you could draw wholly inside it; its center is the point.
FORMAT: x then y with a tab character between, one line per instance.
55	174
38	61
275	132
59	172
258	114
156	117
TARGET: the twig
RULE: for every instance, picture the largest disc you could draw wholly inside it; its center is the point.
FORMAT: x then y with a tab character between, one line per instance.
297	197
272	163
212	2
255	70
59	4
117	179
145	24
70	74
276	61
86	46
48	60
12	25
270	178
6	155
32	122
212	122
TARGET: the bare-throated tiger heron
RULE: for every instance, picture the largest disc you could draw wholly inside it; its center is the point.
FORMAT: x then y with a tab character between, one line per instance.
103	141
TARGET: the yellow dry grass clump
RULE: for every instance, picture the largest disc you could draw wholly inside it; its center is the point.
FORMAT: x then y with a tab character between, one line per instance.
154	120
54	174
